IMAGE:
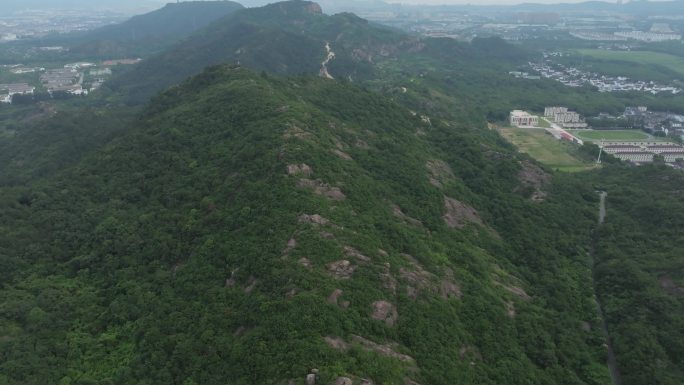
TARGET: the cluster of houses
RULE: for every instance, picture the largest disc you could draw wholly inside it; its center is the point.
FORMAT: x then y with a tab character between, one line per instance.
574	77
67	80
7	91
644	152
654	121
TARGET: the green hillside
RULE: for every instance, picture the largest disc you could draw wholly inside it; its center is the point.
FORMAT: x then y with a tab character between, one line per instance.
251	225
248	229
144	34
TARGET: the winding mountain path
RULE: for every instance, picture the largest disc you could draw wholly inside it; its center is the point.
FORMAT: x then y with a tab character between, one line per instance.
612	362
330	56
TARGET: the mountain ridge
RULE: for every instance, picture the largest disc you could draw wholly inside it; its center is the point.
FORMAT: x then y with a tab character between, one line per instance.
299	221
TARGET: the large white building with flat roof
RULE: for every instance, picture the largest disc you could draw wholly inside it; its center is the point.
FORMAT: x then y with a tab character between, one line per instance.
520	118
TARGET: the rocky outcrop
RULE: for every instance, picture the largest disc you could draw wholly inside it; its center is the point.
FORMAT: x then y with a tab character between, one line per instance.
389	283
313	219
321	188
387	350
291	244
334	296
342	154
396	210
510	309
299	169
343	381
305	262
384	311
439	173
342	269
417	278
351	252
533	178
458	214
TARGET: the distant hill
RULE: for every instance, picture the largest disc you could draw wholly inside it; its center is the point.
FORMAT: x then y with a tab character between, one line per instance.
292	38
153	31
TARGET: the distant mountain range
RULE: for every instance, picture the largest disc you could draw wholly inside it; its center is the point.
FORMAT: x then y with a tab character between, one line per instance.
150	32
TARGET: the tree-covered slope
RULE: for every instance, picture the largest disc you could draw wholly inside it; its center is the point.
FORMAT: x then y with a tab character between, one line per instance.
144	34
247	229
640	272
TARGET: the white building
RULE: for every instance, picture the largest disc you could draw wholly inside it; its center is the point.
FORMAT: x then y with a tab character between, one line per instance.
15	89
651	37
637	157
564	117
550	112
520	118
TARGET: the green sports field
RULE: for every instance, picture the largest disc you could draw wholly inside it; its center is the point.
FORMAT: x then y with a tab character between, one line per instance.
594	135
671	62
546	149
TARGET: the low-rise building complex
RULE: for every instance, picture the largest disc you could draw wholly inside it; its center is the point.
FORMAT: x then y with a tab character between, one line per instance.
520	118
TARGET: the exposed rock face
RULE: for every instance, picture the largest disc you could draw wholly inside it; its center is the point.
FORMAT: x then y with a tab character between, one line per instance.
386	350
517	291
352	252
305	262
295	132
532	176
343	381
458	214
365	381
439	173
342	269
668	284
510	309
449	289
417	278
299	169
334	296
388	281
396	210
337	343
251	284
321	188
342	154
384	311
314	219
230	281
291	244
311	379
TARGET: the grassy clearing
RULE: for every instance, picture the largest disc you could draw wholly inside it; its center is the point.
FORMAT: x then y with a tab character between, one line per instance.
594	135
671	62
545	148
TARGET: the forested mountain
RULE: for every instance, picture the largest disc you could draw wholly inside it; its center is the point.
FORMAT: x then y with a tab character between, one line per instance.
262	225
285	38
145	34
249	228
